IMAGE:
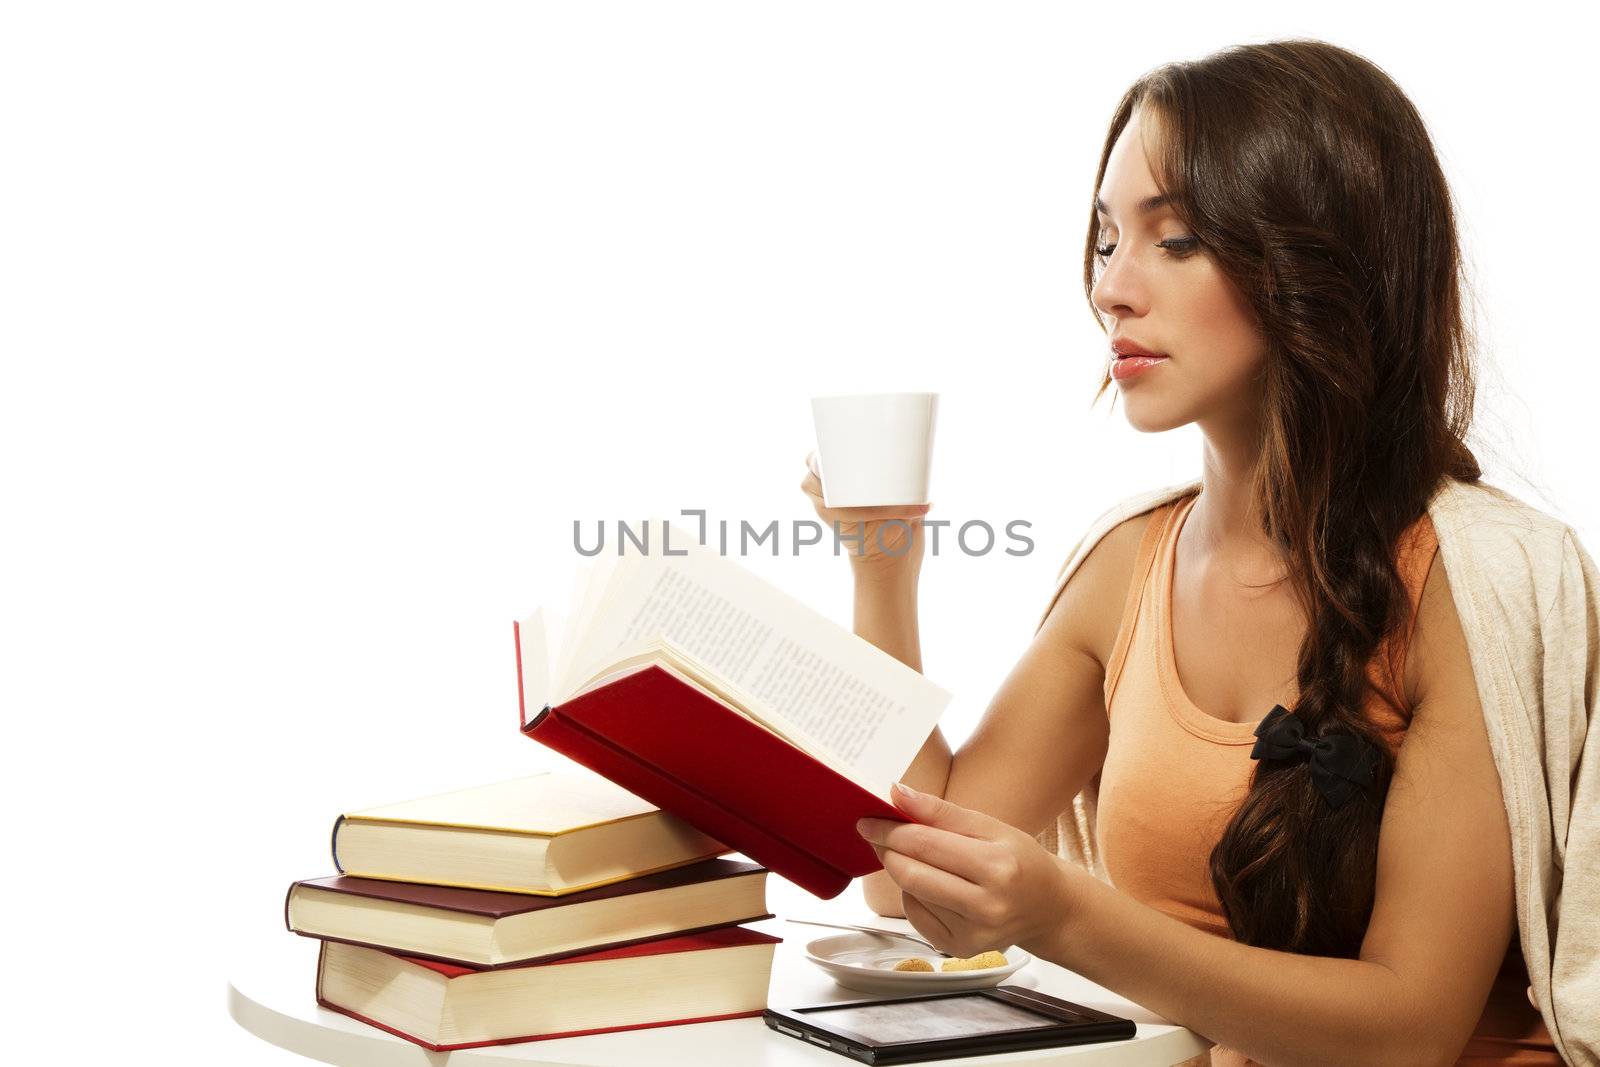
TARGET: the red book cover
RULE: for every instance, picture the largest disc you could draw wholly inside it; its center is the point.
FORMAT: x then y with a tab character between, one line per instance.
729	937
493	905
690	755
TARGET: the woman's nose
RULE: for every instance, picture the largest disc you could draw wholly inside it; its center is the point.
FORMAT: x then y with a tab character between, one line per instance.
1118	291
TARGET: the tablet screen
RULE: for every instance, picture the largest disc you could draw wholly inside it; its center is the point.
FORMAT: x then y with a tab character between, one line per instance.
931	1020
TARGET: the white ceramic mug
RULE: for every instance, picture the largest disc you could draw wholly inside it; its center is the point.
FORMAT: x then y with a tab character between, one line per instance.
874	449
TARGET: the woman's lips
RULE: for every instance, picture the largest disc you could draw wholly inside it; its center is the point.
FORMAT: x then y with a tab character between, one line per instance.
1127	346
1126	367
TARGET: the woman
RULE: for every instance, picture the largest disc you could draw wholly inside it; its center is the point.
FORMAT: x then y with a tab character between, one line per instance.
1305	854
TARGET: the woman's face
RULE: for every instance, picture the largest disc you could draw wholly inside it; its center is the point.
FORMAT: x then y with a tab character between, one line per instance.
1163	292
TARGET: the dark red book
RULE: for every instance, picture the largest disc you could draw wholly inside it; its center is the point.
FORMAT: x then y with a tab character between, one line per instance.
720	974
695	685
690	754
487	930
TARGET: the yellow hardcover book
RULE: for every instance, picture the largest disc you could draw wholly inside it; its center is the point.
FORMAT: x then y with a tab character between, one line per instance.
548	834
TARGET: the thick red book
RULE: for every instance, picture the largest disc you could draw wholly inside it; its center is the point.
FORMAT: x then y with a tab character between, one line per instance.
487	930
694	684
720	974
688	753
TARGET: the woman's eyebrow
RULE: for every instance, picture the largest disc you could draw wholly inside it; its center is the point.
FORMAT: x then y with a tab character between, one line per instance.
1145	206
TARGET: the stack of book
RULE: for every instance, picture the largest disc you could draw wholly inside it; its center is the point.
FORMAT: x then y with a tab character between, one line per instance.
711	713
518	910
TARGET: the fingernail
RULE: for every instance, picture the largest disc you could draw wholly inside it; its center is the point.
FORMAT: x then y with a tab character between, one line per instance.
907	791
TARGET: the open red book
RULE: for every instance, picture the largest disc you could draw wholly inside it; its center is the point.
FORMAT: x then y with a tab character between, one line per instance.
694	685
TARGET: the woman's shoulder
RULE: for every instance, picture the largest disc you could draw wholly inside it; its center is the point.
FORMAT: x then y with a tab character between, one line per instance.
1477	516
1437	643
1093	582
1502	552
1507	575
1126	514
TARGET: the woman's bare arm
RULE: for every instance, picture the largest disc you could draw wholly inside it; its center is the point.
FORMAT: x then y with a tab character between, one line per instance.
1044	735
886	615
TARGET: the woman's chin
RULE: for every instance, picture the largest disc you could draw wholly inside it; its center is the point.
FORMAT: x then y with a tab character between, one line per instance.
1150	418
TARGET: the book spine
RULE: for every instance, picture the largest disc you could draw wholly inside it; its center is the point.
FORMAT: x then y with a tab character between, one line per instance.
322	961
333	844
573	740
522	705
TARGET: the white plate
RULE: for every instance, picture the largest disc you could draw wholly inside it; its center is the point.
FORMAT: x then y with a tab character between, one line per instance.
865	962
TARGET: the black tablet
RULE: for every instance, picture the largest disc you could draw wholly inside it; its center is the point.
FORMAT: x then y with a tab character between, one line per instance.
971	1023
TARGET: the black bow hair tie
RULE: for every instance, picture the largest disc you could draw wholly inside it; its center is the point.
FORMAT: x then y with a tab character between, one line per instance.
1340	763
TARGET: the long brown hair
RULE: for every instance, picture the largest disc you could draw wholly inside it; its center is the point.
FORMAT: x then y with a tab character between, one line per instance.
1311	180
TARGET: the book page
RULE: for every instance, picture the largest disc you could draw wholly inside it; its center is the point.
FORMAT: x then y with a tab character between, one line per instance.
533	652
587	591
866	710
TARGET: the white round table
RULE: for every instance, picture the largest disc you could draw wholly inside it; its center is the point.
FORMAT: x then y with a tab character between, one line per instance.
270	994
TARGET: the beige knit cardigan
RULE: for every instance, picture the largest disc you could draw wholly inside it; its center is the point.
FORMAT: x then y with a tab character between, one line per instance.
1529	599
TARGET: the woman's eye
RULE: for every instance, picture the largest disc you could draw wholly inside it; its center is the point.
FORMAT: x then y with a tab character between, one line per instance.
1180	247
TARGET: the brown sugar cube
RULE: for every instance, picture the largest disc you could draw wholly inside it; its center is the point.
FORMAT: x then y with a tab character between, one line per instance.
982	961
913	963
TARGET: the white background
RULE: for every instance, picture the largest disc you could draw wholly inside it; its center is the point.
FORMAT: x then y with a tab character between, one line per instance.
323	322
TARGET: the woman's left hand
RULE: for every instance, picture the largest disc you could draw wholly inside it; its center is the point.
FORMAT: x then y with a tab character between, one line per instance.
970	882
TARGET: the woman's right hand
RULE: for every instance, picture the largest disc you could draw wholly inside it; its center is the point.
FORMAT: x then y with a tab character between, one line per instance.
891	538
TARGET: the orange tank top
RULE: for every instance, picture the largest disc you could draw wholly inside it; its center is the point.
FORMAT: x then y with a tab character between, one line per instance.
1173	774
